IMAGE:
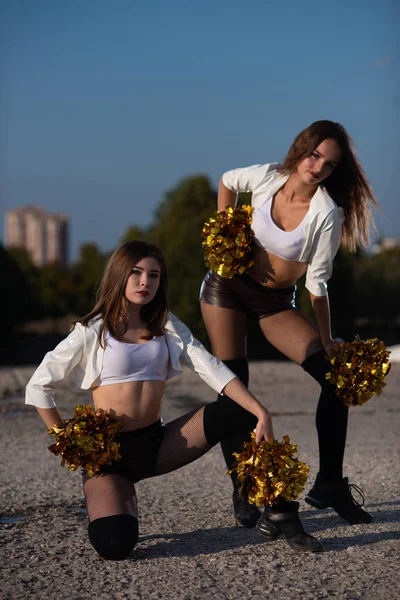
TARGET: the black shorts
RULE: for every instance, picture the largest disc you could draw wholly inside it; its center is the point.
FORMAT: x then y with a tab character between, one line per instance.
245	294
139	451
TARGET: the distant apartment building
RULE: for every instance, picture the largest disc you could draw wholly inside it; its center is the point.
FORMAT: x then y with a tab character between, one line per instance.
44	235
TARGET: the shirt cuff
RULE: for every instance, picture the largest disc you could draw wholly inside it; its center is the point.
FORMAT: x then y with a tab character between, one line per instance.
38	398
317	289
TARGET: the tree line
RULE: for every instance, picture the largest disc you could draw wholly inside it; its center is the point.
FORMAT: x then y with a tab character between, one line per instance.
364	290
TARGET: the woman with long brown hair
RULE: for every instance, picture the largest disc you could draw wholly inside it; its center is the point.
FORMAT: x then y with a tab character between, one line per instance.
304	208
124	350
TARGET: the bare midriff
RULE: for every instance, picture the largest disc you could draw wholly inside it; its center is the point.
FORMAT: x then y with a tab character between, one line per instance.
136	403
272	271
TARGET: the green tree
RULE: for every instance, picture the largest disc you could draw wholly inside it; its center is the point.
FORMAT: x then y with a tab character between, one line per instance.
15	293
56	290
378	283
86	274
135	233
177	229
31	274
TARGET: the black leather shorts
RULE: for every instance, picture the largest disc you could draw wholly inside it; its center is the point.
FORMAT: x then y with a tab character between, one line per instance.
246	295
139	451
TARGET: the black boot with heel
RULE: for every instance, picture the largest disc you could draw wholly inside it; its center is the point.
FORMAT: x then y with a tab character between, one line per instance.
284	520
339	497
331	489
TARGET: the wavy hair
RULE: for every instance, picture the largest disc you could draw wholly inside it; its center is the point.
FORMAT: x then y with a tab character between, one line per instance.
347	185
110	295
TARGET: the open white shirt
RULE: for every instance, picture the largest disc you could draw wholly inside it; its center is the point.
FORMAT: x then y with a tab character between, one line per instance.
322	224
82	355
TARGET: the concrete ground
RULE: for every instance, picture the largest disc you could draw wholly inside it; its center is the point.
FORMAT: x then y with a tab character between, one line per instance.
189	547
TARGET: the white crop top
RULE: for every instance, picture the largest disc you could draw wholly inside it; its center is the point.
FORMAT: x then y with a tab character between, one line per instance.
285	244
124	362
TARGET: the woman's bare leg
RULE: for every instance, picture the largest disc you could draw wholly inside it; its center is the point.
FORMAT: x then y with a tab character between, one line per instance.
293	334
112	510
298	339
227	331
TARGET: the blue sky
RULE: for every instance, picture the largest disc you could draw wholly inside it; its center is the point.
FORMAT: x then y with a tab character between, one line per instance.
107	105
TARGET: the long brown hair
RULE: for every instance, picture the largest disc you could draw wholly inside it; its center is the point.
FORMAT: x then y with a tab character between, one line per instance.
111	292
347	185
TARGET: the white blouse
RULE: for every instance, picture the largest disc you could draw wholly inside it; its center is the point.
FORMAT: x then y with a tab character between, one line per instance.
322	225
285	244
82	355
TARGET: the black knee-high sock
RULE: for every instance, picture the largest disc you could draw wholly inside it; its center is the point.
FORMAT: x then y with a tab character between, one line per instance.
240	367
114	537
331	420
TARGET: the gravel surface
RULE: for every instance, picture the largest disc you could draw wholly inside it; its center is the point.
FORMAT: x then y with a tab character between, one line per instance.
189	547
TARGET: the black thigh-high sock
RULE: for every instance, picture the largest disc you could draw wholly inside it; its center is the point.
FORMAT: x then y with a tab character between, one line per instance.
240	367
331	420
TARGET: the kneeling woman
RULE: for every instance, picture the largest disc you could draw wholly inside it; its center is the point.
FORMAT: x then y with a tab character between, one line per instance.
124	350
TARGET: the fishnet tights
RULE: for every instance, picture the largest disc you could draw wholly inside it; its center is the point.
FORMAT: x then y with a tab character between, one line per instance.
298	339
183	442
227	331
289	331
109	495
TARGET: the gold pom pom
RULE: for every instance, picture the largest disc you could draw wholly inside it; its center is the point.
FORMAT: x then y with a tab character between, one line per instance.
227	241
269	472
86	440
358	370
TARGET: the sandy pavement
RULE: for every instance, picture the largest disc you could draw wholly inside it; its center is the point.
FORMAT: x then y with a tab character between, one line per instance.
189	547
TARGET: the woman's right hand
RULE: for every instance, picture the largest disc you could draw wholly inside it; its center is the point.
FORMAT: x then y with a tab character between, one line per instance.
264	429
240	394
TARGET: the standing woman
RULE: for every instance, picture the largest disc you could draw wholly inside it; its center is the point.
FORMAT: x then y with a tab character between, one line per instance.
304	208
124	350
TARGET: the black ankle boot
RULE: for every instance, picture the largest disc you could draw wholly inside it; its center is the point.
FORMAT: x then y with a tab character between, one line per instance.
338	496
285	521
246	515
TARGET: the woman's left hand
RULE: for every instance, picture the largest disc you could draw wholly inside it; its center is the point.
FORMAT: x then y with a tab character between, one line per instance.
330	346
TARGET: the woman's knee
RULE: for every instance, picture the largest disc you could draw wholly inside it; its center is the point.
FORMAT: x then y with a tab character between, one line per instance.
114	537
240	367
224	418
317	365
